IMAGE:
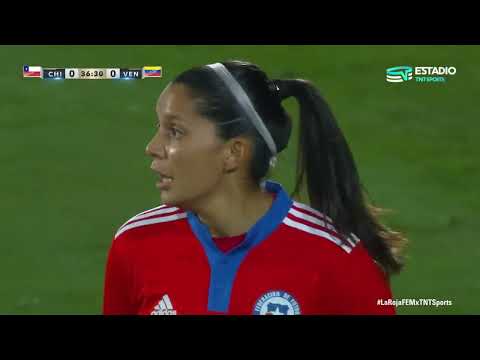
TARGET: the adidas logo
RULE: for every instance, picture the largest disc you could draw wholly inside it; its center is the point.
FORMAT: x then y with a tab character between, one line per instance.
164	307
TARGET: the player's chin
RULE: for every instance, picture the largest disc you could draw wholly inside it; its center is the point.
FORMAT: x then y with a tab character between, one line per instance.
177	201
169	198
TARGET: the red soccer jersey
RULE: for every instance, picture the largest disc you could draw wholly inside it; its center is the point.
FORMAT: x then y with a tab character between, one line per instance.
164	261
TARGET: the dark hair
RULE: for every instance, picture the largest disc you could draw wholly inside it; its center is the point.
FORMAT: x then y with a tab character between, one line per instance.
325	162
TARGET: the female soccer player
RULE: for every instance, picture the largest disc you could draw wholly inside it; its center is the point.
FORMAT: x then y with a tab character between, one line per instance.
225	240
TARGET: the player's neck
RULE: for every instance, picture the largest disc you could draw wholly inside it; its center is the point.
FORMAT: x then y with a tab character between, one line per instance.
235	210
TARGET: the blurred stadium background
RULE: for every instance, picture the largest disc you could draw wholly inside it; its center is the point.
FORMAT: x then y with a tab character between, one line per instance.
73	165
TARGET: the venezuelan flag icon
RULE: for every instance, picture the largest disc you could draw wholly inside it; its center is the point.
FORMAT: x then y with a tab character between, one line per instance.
151	72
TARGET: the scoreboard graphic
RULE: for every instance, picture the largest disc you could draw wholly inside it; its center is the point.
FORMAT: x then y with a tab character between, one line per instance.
46	73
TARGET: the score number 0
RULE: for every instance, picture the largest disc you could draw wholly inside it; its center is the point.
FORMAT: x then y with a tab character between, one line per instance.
113	73
72	74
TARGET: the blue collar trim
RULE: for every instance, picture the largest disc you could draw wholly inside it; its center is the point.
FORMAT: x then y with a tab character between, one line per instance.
224	266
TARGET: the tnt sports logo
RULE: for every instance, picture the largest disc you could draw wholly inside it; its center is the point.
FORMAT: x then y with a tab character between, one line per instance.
276	303
434	73
399	74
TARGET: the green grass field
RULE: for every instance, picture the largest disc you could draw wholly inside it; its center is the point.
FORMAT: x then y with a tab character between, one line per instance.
73	165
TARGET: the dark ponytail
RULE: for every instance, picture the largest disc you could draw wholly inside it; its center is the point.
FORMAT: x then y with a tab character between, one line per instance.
325	163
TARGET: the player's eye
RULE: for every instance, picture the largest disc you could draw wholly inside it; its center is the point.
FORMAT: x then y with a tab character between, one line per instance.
175	132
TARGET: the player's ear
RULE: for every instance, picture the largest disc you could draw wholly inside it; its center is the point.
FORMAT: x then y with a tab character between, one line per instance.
236	152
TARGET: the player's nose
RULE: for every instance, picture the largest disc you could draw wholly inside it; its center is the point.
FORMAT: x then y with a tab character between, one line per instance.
155	149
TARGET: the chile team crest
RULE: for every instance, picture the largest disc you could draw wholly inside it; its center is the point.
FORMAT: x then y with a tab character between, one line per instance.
276	303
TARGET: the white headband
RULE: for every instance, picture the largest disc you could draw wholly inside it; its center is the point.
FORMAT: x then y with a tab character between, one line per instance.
245	103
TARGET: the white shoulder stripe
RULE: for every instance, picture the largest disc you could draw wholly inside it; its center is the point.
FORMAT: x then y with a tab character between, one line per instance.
161	210
312	219
150	221
312	210
289	222
155	208
316	221
165	210
352	239
349	240
356	240
143	214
